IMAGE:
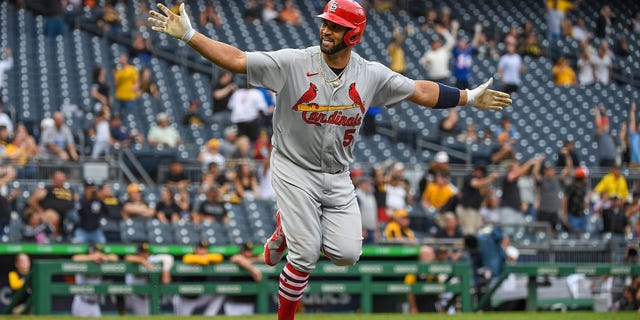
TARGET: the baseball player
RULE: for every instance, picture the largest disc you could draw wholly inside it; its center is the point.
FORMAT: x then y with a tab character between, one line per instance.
323	93
139	304
88	305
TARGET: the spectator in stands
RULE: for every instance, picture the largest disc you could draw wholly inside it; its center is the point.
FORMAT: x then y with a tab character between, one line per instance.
622	48
241	152
212	209
103	141
575	202
110	22
604	22
470	134
246	181
269	12
209	16
210	154
398	190
186	304
430	19
580	31
142	49
183	200
247	105
5	120
563	74
511	202
586	75
289	14
139	304
550	190
613	184
228	144
556	11
5	211
57	141
422	302
222	92
135	207
265	189
212	177
395	51
252	12
147	84
474	188
614	218
5	65
440	164
121	134
607	150
88	305
602	63
504	150
114	207
450	228
436	60
634	135
54	202
127	84
635	22
509	69
176	178
163	134
100	89
448	126
397	230
463	58
628	301
91	210
244	305
140	19
18	280
262	146
368	209
528	192
567	153
437	193
167	211
36	230
531	47
193	118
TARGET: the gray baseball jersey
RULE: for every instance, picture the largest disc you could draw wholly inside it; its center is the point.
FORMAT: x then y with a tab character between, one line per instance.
315	124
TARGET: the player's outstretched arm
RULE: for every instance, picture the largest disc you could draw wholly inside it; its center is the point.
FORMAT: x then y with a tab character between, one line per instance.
179	27
434	95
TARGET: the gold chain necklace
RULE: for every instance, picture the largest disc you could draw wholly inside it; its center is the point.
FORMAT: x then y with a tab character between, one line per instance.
334	82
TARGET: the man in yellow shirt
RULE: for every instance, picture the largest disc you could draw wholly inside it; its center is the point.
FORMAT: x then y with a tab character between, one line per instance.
398	228
613	184
437	192
563	74
127	86
396	54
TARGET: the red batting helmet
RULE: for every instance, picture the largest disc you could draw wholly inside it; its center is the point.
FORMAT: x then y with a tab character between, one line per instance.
346	13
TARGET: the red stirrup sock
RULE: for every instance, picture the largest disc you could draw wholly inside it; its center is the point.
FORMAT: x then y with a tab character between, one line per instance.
292	284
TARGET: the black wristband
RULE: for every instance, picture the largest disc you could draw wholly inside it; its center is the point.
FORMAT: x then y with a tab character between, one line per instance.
448	97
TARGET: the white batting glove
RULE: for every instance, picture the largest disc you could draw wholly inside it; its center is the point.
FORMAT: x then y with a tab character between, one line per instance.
177	26
484	98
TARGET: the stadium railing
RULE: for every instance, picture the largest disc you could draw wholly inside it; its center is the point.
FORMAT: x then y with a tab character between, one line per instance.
359	279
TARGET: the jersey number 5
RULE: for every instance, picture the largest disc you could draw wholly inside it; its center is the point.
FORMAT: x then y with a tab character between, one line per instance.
348	137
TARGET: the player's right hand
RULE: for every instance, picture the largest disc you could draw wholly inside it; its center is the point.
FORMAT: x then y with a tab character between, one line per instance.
177	26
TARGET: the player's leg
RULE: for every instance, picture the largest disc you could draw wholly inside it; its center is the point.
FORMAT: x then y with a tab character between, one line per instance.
183	306
214	304
341	222
276	244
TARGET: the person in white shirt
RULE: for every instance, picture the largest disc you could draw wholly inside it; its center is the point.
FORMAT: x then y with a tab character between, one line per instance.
103	139
211	153
585	69
509	68
246	104
163	133
4	118
436	60
602	63
5	65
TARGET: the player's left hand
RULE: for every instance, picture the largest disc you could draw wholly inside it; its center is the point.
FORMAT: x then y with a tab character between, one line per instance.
177	26
484	98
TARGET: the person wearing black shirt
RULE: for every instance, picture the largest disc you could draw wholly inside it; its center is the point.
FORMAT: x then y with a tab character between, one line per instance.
176	177
92	209
222	92
474	188
212	209
17	281
614	218
54	202
167	210
192	118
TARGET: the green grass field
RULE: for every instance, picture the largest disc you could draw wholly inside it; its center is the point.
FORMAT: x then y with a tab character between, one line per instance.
468	316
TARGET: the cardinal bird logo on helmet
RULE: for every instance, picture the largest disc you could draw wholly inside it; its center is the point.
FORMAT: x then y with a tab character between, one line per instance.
308	96
355	97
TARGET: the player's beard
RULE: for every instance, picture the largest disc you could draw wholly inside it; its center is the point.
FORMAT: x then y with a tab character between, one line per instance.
334	49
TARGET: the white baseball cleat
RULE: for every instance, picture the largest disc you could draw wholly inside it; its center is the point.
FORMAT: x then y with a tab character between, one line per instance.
276	244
